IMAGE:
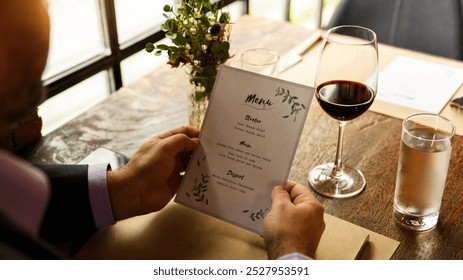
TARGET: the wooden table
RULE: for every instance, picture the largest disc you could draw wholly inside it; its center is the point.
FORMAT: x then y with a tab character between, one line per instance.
157	103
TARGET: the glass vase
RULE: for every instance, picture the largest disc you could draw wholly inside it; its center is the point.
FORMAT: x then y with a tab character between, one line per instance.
201	84
197	107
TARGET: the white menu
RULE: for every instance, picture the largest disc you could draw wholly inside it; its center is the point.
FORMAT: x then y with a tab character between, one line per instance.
247	144
419	84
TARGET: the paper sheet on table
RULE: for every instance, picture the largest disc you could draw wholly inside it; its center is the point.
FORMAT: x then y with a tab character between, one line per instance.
418	84
181	233
342	240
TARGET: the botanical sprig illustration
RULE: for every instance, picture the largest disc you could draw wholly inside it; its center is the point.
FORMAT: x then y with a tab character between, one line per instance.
256	215
292	100
200	186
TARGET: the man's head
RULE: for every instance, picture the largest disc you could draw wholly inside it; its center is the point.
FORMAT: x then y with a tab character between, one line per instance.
24	41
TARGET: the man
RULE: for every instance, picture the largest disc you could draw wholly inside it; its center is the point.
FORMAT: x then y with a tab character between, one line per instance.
71	202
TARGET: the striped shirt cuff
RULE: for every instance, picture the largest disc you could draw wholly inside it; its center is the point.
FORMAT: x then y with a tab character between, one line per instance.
99	195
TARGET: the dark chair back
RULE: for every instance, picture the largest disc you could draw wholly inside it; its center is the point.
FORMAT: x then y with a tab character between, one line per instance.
431	26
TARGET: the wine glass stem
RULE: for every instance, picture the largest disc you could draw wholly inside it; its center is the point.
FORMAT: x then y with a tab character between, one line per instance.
338	168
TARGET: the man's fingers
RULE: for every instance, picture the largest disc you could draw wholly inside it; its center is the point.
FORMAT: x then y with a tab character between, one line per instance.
179	143
279	195
186	130
290	185
299	193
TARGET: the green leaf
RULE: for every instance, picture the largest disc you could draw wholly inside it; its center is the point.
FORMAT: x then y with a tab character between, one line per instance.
224	18
180	41
167	8
207	5
169	25
162	47
174	55
171	36
225	46
149	47
216	47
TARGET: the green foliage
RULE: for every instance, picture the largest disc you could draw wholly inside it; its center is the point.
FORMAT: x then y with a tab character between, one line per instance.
200	35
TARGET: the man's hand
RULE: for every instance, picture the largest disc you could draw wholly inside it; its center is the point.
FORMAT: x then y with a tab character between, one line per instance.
151	178
295	222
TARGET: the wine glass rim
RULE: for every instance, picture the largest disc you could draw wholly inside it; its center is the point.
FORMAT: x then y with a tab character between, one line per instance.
367	40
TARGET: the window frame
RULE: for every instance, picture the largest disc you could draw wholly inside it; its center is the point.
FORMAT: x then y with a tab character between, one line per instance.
110	61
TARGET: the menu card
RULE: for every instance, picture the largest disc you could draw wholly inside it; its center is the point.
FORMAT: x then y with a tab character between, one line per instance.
418	84
247	144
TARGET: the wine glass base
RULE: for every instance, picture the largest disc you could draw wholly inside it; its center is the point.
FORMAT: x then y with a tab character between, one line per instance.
348	184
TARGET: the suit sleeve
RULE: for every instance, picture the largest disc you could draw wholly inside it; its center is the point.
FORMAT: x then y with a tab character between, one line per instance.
68	221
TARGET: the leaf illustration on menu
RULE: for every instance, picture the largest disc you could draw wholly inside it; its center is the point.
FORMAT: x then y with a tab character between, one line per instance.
254	216
199	189
296	106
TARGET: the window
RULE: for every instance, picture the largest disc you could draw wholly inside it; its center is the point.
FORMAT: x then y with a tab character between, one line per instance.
73	40
68	104
96	47
136	17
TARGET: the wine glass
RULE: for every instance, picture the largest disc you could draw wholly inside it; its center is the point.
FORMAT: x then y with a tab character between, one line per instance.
346	85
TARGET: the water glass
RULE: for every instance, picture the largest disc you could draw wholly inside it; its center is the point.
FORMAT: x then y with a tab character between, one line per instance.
422	170
261	60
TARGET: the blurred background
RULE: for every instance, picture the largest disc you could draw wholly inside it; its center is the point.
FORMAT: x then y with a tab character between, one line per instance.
97	45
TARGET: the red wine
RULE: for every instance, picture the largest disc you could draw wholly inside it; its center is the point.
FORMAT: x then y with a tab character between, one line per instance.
344	100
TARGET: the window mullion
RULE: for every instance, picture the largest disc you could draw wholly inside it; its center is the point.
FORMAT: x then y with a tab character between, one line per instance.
109	24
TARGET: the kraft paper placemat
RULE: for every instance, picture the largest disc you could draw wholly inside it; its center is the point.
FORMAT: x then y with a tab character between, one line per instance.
178	232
